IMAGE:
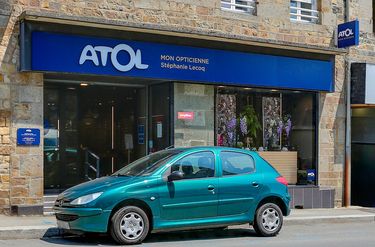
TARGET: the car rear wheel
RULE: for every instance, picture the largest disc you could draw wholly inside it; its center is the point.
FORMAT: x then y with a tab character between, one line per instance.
129	225
268	220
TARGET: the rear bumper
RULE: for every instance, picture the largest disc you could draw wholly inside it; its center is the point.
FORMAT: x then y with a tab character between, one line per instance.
83	219
286	200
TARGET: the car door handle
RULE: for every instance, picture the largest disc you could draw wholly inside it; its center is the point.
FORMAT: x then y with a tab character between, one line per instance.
255	184
210	187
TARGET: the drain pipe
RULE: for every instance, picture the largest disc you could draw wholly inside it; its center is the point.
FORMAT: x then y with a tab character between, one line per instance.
348	165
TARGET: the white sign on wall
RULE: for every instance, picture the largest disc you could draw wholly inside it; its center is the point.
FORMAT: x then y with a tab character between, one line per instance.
370	84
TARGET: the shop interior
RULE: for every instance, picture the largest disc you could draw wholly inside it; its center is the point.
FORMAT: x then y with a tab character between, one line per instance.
94	127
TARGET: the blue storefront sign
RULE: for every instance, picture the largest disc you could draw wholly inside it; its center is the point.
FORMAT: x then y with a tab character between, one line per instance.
53	52
28	137
348	34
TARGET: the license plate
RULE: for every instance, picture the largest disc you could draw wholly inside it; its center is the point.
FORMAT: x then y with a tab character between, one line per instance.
63	224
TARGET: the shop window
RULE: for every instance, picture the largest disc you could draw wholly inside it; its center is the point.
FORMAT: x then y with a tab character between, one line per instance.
236	163
242	6
304	11
194	116
270	121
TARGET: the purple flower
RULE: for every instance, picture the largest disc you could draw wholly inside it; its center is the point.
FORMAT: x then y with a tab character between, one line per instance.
230	137
243	126
280	128
288	127
232	124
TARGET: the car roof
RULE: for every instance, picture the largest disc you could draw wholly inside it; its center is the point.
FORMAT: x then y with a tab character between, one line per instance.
212	148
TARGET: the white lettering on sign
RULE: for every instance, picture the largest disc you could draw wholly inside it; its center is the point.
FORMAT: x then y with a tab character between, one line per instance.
90	53
346	33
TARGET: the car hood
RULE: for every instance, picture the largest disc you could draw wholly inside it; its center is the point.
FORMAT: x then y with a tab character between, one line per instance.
98	185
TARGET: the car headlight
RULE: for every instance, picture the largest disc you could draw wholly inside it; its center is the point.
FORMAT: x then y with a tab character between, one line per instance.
86	199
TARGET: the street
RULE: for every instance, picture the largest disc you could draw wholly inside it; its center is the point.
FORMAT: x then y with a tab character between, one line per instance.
344	234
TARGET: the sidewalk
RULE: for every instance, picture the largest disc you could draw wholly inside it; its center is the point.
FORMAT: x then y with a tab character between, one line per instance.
13	227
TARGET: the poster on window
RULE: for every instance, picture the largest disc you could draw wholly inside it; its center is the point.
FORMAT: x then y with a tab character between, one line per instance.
272	122
199	119
226	120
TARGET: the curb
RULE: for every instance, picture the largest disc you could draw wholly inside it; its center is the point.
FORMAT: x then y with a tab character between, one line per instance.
36	232
29	232
304	220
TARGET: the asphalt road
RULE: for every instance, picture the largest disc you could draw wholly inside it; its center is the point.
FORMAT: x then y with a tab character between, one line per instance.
342	235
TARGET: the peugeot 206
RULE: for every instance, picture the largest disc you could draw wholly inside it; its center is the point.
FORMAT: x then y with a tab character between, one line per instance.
179	189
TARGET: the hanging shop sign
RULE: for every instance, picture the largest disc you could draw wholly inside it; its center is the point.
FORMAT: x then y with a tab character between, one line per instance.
348	34
52	52
28	137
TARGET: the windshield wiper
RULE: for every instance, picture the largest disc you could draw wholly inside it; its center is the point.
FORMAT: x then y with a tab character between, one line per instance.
120	175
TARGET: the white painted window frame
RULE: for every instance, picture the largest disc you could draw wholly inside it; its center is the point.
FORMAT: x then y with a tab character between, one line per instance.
313	12
250	6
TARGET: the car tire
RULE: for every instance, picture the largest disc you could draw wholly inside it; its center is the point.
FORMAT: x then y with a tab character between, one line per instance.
129	225
268	220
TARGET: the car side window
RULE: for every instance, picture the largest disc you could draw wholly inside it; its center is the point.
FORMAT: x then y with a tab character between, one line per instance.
234	163
196	165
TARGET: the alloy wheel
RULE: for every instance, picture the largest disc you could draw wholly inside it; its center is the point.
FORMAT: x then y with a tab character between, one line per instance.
270	219
132	225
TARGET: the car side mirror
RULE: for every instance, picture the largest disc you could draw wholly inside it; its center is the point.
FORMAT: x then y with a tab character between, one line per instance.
176	175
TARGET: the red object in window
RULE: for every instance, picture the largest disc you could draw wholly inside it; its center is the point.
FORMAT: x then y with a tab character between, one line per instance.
282	180
186	115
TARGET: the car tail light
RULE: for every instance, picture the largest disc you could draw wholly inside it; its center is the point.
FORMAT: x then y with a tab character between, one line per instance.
282	180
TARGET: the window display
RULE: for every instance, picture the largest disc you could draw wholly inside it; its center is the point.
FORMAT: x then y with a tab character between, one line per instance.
270	121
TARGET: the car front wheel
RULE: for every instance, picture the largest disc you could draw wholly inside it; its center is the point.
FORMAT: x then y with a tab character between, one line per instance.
129	225
268	220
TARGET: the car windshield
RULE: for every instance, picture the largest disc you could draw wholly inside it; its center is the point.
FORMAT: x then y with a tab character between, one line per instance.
148	164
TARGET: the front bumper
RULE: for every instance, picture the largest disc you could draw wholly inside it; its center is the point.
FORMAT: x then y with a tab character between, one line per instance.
83	219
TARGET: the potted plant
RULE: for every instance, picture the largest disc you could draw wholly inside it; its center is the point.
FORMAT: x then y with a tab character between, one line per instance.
249	125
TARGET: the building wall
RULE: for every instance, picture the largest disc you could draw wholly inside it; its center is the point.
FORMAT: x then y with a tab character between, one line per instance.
21	103
365	52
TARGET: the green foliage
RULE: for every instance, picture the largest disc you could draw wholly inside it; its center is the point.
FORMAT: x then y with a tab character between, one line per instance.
253	124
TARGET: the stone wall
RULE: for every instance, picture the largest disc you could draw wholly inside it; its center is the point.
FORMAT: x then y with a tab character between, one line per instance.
365	52
332	115
21	104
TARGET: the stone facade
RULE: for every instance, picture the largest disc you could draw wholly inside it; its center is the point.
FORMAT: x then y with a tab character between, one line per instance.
21	94
365	52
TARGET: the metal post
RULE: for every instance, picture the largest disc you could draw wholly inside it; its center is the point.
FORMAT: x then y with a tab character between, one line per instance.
348	162
97	168
86	164
348	166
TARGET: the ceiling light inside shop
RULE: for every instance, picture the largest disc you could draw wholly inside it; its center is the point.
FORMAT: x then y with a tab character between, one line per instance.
221	86
247	88
71	88
274	90
84	84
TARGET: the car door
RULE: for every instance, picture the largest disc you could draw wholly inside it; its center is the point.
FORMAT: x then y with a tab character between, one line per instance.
239	183
195	196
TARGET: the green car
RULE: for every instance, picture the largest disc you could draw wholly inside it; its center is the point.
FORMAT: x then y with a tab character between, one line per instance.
179	189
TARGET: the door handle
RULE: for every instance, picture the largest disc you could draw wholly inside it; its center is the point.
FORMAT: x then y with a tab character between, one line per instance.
210	187
255	184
